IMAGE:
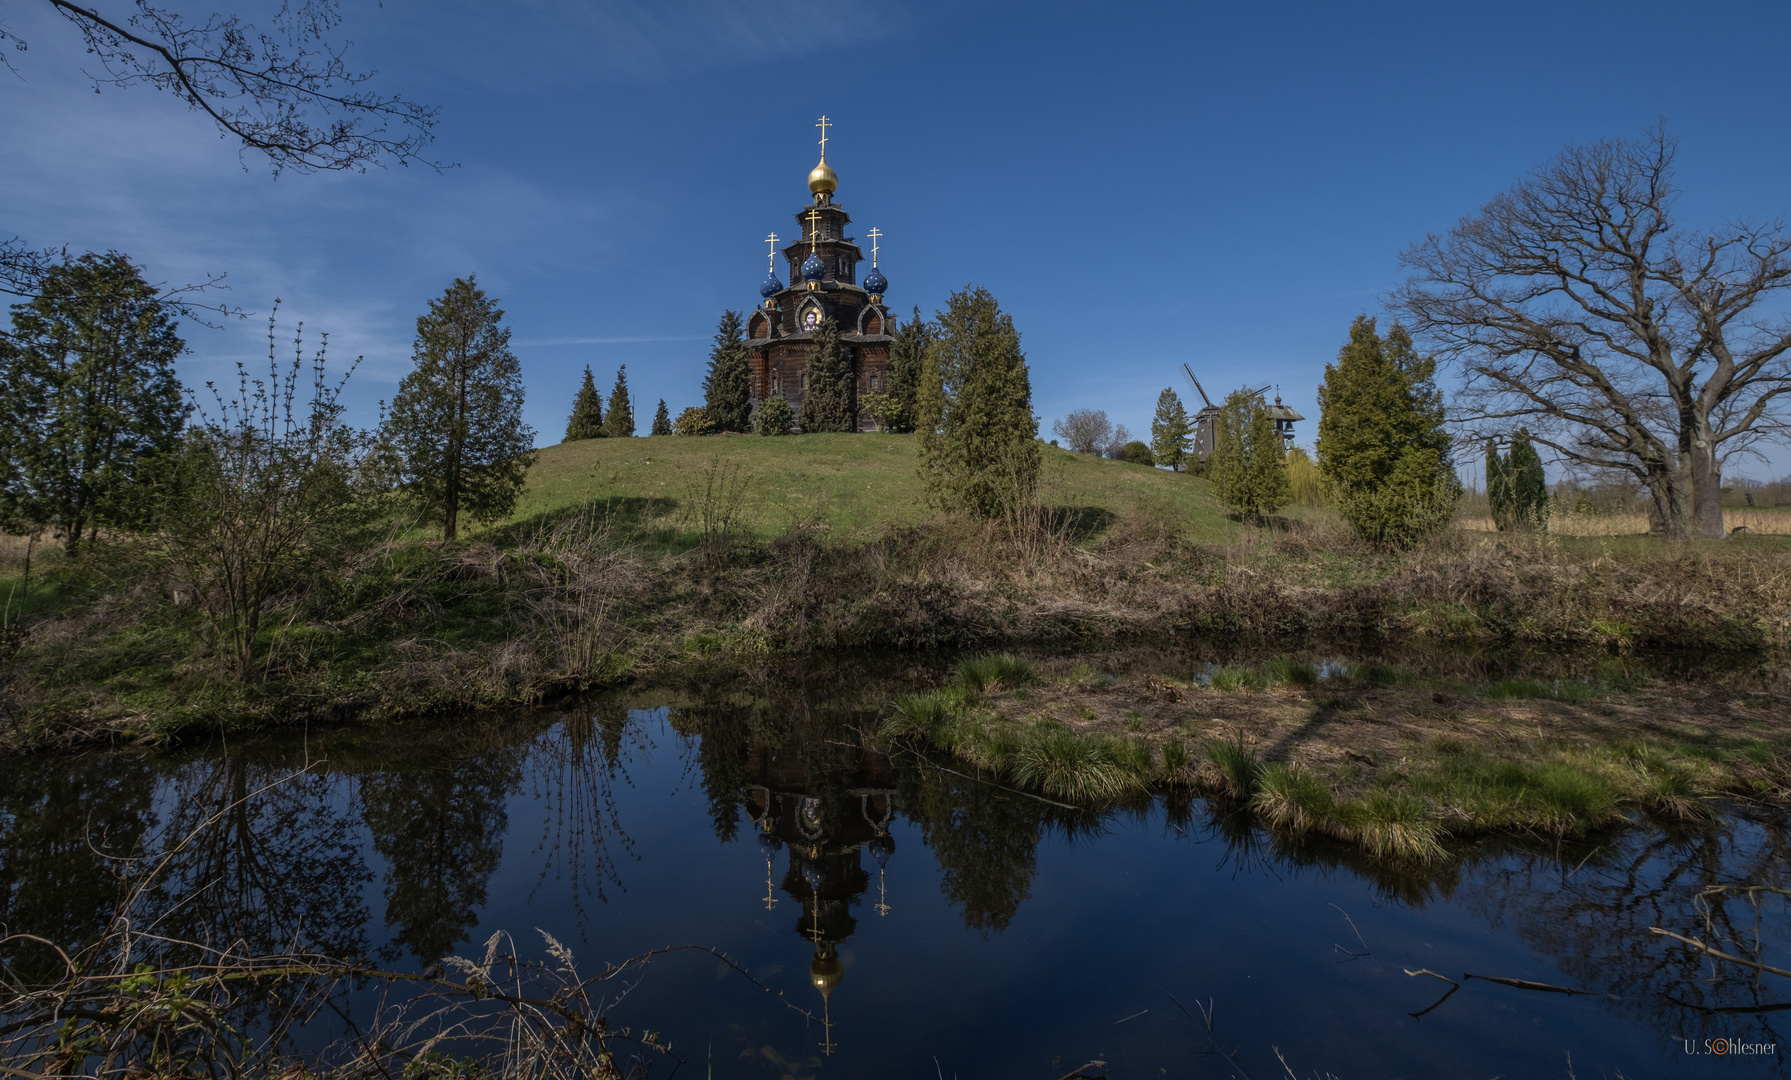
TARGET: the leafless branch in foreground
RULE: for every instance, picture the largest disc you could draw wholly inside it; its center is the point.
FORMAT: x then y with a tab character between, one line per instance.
288	92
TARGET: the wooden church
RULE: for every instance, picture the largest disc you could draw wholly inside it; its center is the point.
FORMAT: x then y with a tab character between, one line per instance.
823	267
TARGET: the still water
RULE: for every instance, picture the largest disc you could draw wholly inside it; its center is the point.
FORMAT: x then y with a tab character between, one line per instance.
928	924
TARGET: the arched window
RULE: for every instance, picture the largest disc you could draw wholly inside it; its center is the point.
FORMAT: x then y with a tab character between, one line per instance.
873	383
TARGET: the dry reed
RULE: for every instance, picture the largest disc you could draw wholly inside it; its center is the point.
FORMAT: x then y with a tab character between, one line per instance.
1754	519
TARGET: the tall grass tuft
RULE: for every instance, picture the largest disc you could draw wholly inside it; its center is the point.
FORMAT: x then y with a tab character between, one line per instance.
1287	671
1393	825
996	671
1239	770
1175	759
1059	762
918	716
1293	799
1670	790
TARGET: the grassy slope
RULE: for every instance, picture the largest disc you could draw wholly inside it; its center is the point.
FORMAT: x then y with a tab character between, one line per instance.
857	483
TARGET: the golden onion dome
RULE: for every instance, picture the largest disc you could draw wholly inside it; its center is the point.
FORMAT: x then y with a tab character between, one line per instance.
825	971
823	178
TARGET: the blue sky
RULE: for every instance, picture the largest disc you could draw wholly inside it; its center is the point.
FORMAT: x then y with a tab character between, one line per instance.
1139	185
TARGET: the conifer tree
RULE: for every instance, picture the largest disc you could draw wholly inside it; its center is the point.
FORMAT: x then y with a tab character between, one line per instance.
88	399
1382	447
907	355
727	388
1249	468
979	449
1170	430
827	400
587	412
618	423
456	423
1516	486
775	415
1499	496
662	420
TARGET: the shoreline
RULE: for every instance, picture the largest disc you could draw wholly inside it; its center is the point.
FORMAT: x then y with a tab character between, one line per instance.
1380	758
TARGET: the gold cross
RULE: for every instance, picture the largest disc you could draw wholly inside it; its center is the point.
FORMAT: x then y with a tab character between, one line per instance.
873	234
771	251
814	228
823	124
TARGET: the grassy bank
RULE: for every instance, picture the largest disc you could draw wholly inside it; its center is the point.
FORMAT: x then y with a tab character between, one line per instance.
1371	754
633	556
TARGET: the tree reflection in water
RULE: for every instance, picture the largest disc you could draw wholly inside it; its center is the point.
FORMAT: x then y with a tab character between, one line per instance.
573	768
59	819
439	823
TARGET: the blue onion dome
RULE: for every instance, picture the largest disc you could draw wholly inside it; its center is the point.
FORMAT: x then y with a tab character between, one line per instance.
882	847
876	283
770	286
812	269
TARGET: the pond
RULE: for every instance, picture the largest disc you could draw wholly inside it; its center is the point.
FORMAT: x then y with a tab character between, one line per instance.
916	922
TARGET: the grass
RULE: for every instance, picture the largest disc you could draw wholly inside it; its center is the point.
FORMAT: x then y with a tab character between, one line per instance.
1374	754
858	485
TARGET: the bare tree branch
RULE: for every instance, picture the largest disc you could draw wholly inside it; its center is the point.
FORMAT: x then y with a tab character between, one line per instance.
289	93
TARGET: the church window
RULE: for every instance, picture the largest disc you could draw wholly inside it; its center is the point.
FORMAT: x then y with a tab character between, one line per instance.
873	383
777	382
805	380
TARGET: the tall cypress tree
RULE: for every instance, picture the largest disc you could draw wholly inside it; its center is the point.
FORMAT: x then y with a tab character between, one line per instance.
1529	485
456	422
587	412
979	448
618	423
827	403
1382	447
907	355
1499	495
727	389
662	421
1169	431
88	397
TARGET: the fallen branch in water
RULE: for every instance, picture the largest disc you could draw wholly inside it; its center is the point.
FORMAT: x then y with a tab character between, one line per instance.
1525	984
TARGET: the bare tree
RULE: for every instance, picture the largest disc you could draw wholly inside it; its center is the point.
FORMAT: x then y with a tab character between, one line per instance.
1085	431
1574	306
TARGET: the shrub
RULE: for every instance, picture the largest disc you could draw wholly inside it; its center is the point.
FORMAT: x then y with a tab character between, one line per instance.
1136	453
775	416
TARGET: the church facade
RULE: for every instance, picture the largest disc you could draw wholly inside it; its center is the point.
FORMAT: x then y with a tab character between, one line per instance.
823	267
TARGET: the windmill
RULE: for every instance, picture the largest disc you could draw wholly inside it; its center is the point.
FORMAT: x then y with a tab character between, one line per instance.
1204	420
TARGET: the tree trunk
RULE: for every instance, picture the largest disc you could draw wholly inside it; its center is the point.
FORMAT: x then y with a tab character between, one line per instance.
30	542
1706	481
1667	488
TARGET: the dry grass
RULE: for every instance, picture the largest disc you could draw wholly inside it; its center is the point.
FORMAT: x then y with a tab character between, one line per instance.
1772	522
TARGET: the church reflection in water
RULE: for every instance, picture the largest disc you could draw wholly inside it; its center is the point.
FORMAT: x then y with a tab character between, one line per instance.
823	827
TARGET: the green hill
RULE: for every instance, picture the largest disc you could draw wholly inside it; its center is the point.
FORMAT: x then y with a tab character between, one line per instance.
857	484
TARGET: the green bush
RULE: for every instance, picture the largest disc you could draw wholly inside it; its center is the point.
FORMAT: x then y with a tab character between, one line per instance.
1136	453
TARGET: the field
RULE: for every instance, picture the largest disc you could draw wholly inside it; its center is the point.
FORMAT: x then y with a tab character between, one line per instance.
856	484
